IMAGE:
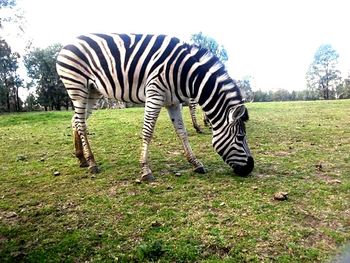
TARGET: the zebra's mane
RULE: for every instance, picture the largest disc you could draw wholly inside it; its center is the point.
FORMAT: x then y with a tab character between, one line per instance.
211	63
202	54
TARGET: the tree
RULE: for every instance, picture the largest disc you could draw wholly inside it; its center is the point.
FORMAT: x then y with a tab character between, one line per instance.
210	44
262	96
9	79
323	75
6	4
246	88
13	26
281	95
343	89
41	67
12	20
31	103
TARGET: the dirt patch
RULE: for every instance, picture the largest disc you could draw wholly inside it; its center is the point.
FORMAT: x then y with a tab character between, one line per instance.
9	217
319	239
214	249
3	239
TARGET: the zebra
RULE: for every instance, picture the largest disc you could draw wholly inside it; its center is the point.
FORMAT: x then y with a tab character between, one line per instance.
157	71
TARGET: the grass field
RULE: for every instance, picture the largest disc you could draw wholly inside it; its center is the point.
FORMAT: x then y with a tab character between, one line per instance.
302	148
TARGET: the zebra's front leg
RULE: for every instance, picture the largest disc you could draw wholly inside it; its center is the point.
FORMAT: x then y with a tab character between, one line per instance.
176	118
152	109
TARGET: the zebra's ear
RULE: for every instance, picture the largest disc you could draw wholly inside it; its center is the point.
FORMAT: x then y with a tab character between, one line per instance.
239	112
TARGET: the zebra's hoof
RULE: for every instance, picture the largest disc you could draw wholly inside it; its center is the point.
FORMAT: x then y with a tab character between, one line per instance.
94	169
147	177
199	130
200	170
84	164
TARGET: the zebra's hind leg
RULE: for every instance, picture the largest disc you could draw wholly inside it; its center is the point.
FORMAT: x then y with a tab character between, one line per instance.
192	106
176	118
82	147
79	153
83	109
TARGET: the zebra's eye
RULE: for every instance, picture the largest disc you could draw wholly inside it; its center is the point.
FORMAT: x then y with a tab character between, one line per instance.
240	137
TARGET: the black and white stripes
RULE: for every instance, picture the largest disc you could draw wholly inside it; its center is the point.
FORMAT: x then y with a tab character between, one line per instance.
156	70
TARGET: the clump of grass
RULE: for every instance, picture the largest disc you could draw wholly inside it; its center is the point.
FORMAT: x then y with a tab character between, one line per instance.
150	251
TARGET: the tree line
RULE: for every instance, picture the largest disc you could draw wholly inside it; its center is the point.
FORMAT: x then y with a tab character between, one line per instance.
323	81
47	92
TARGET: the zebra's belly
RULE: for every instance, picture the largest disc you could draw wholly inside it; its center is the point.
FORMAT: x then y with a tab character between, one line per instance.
125	94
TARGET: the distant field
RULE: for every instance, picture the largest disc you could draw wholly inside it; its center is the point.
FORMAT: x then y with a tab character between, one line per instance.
302	148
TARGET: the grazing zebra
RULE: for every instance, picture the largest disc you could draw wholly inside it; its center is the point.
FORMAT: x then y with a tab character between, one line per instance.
156	70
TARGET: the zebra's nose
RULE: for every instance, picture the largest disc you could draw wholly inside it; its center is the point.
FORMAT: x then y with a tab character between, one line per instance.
244	170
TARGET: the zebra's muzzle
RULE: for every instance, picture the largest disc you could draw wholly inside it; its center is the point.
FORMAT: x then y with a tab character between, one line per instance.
244	170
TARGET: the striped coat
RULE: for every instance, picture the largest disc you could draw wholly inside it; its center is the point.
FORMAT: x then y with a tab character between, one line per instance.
155	70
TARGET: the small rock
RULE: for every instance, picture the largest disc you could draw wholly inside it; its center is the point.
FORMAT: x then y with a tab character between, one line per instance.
42	159
222	204
334	181
255	188
11	214
21	158
56	173
177	174
281	196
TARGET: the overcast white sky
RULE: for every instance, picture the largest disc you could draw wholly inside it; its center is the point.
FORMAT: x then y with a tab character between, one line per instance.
272	40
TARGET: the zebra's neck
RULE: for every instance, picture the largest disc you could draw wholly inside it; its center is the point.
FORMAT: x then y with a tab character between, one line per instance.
212	87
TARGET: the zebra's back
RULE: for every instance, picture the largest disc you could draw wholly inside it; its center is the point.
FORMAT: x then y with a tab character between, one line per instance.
118	65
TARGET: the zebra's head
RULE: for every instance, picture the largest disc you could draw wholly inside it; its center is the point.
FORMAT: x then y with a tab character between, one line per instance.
229	140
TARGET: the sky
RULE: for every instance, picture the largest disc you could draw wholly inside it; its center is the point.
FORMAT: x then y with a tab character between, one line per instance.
273	41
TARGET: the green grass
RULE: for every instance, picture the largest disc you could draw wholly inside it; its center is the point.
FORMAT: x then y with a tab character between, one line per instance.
301	148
